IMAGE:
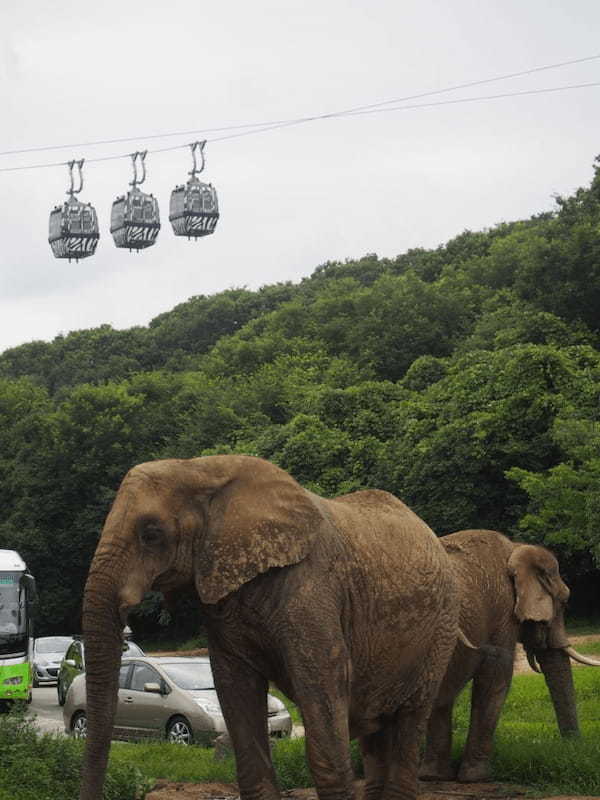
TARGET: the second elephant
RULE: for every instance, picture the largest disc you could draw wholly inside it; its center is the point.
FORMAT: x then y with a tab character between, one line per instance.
509	592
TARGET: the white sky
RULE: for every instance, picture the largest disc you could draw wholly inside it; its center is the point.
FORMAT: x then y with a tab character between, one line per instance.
294	198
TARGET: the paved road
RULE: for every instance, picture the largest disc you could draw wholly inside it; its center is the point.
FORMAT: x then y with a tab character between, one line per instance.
48	714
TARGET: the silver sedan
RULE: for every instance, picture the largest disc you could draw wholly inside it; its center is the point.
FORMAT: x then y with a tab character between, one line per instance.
172	698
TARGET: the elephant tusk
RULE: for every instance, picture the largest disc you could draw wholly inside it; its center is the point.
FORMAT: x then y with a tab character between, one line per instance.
462	638
532	662
591	662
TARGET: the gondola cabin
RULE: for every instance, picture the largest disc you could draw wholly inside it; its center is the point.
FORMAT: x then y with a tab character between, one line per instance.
194	209
135	220
73	230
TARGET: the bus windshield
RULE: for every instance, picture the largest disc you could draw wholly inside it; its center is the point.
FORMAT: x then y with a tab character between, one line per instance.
13	616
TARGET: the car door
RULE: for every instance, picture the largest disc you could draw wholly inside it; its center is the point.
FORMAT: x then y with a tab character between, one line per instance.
70	670
142	713
120	730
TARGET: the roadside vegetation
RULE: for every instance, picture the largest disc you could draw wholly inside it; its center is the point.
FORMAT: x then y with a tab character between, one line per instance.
47	767
528	752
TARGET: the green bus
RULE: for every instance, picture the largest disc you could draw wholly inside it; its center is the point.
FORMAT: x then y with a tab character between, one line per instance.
17	594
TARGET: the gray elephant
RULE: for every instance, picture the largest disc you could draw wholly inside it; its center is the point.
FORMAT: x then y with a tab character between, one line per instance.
349	606
509	592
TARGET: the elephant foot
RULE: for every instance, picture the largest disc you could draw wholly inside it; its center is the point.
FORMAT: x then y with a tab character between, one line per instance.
432	771
476	772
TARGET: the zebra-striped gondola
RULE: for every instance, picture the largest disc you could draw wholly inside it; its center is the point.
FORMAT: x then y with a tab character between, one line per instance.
73	227
135	220
194	209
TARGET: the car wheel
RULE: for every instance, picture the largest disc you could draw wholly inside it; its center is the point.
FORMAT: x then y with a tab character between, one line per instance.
36	683
179	731
62	695
79	725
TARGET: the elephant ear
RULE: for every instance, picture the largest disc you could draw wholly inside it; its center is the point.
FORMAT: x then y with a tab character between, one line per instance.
537	583
259	517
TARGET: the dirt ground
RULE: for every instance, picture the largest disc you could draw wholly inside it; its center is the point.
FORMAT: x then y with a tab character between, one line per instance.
169	790
165	790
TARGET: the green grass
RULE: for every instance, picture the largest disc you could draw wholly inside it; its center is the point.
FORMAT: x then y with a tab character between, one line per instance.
197	764
528	749
292	709
583	626
591	648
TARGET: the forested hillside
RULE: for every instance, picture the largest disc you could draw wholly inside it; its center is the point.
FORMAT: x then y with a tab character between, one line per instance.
464	379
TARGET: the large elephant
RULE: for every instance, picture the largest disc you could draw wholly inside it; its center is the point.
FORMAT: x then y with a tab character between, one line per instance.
348	605
509	592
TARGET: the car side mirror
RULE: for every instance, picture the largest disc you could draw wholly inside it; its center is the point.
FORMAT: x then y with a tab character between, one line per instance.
69	662
155	688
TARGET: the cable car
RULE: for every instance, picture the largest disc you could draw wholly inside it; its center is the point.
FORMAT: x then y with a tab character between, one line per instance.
73	227
135	218
194	208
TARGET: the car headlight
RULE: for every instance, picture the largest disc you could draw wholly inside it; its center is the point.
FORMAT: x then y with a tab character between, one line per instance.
210	708
15	681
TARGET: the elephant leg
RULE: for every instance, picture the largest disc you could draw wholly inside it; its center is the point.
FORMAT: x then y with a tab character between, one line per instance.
327	734
490	687
243	698
437	761
375	755
405	736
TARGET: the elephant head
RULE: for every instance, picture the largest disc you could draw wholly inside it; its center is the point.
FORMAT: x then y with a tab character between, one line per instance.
213	522
541	597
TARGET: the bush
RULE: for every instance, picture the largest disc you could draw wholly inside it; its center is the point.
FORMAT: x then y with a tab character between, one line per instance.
47	767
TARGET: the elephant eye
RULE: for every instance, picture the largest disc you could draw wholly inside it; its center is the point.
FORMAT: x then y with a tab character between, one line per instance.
151	534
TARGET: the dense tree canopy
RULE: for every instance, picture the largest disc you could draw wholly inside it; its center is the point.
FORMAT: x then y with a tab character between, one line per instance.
465	379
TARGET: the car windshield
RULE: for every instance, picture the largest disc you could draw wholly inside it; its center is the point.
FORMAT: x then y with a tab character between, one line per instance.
52	644
193	676
13	619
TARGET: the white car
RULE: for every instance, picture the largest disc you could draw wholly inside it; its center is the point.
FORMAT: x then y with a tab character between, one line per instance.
48	652
170	698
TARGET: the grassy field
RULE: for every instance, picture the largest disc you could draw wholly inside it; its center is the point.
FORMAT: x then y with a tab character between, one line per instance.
528	748
589	648
528	752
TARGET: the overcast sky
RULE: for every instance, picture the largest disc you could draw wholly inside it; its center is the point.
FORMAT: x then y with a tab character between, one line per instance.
293	198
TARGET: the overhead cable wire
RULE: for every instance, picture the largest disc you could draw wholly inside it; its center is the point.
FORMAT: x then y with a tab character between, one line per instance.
299	120
412	107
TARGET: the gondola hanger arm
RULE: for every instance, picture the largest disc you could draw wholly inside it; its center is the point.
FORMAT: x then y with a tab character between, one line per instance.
195	168
71	191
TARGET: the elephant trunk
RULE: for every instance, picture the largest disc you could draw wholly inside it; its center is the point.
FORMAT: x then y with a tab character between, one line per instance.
102	631
556	667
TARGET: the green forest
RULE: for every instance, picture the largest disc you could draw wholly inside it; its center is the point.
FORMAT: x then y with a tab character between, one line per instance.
464	379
